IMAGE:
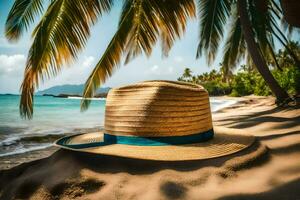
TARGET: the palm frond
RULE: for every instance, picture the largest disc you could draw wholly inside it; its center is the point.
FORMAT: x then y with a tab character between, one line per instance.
273	55
260	21
158	19
110	59
277	11
142	23
213	16
59	36
289	29
173	18
235	46
144	31
280	36
263	21
21	15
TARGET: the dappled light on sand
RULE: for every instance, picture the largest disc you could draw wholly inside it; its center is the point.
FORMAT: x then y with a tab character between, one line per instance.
267	170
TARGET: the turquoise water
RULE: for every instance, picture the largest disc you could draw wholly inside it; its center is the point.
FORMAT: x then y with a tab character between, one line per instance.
53	118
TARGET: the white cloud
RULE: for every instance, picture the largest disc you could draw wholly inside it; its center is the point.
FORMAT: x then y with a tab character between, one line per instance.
12	65
157	70
88	61
77	73
178	59
11	72
12	69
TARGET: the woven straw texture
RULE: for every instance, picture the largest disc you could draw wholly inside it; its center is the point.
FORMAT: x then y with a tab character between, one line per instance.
225	142
158	108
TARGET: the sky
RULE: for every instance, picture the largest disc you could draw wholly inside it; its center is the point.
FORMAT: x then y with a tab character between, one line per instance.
183	54
13	57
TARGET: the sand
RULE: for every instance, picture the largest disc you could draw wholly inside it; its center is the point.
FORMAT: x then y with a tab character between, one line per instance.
270	169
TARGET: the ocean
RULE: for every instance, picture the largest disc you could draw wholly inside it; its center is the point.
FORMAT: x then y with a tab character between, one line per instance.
53	118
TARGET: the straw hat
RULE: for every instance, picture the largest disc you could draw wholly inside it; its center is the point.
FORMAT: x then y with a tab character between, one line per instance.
158	120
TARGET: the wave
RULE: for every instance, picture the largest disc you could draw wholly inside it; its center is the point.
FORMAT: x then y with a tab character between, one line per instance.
24	150
9	141
30	139
37	136
219	104
22	143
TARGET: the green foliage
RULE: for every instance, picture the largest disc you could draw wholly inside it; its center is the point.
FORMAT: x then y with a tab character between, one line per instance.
64	28
245	82
214	82
216	88
289	79
242	84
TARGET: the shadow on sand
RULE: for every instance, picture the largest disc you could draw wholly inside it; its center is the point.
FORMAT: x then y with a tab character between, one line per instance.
60	172
288	191
255	119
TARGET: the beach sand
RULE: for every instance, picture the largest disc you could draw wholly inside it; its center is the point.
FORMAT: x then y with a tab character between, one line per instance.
269	169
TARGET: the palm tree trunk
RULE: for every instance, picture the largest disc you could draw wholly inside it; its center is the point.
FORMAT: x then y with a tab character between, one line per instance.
256	55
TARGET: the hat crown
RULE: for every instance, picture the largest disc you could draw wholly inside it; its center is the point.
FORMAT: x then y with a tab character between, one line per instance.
157	109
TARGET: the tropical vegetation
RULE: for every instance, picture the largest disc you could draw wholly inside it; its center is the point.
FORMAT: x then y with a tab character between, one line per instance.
64	29
246	80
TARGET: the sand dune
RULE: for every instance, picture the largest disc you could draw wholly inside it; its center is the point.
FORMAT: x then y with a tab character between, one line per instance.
269	169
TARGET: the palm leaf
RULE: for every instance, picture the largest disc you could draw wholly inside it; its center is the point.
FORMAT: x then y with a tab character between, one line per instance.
235	46
21	15
142	23
59	36
259	20
158	19
213	16
263	21
173	18
110	59
273	55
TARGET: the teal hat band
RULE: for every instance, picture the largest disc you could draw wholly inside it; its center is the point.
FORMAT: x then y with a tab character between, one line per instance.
143	141
159	141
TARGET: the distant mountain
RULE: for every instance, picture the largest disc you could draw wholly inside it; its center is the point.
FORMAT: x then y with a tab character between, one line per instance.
69	89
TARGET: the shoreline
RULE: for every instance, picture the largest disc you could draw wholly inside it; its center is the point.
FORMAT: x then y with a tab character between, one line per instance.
8	161
266	170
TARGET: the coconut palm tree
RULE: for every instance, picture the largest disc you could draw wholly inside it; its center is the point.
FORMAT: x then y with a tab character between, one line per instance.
255	53
253	28
64	28
284	58
187	74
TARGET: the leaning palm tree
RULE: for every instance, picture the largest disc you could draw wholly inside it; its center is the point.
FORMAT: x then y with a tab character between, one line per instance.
253	27
65	27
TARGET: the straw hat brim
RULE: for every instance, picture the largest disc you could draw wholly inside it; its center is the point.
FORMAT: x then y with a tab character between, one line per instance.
225	142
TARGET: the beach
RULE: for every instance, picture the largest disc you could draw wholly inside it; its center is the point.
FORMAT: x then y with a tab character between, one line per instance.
53	119
269	169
